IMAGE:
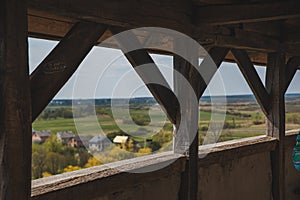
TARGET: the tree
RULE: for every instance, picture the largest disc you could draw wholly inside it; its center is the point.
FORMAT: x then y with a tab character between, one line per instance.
53	145
92	162
83	157
38	160
55	163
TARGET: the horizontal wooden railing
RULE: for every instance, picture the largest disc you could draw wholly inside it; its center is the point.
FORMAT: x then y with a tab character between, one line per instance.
112	181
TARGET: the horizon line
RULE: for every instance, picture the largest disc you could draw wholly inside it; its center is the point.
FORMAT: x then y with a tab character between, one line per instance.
205	96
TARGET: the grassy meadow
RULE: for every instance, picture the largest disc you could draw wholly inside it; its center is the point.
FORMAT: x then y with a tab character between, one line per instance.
241	119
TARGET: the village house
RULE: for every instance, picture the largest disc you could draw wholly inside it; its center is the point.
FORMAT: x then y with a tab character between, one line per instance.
99	143
79	142
120	139
40	136
66	137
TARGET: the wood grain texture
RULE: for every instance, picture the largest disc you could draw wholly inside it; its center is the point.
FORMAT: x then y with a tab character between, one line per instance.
252	78
275	85
56	69
15	123
246	13
174	14
215	55
292	66
150	74
185	137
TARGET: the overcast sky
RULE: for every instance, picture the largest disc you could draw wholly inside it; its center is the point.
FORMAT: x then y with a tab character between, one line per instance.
104	72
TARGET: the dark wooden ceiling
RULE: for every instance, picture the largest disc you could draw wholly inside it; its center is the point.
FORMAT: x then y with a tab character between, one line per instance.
259	26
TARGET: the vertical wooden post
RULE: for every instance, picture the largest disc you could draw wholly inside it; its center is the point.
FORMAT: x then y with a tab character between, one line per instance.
275	85
15	107
186	139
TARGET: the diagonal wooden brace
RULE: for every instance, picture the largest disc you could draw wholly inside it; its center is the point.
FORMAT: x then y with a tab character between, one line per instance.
162	91
291	69
252	78
56	69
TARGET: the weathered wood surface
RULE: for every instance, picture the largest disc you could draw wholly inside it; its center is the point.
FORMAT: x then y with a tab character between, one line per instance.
235	149
292	66
92	183
252	78
215	55
56	69
151	75
249	40
15	118
126	13
247	12
198	82
185	137
266	36
275	85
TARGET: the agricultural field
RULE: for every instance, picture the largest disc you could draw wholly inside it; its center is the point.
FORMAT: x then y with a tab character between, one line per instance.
147	127
236	120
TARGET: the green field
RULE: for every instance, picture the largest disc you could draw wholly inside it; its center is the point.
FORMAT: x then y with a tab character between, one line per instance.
147	134
240	120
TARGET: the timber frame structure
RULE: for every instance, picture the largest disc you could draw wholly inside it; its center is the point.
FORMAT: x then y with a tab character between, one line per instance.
248	32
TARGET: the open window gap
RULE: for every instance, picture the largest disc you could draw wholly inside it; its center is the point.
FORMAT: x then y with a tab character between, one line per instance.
292	105
228	108
66	137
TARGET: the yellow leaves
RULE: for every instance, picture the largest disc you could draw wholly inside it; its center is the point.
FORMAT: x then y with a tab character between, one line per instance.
71	168
46	174
145	150
92	162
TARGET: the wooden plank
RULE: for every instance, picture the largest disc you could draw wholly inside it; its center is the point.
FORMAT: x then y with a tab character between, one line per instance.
214	2
249	40
246	13
173	14
56	69
47	28
217	54
268	28
185	139
252	78
224	152
275	85
199	83
111	181
291	69
15	123
161	91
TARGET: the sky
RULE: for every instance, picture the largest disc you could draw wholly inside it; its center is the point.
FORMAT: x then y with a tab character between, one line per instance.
106	73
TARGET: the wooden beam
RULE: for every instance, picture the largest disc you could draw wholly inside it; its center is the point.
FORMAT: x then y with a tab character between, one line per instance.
173	14
291	69
255	42
252	78
199	83
206	2
56	69
185	137
15	123
275	85
246	13
161	91
216	55
46	28
259	37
